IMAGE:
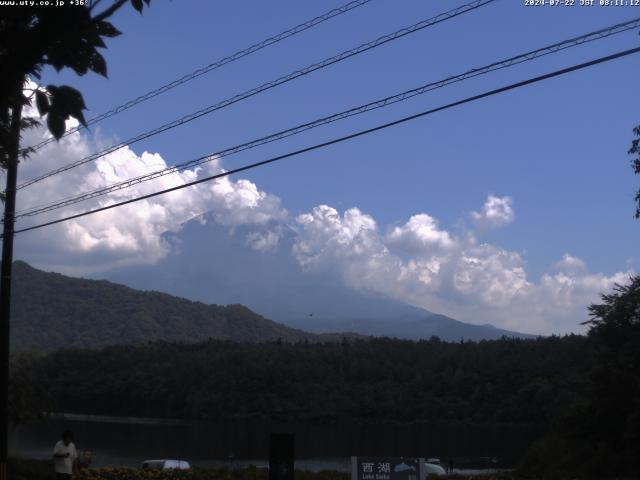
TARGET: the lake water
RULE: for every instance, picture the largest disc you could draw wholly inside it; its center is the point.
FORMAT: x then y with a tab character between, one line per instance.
240	443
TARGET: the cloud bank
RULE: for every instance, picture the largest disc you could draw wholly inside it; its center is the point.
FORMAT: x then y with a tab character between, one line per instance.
133	233
418	261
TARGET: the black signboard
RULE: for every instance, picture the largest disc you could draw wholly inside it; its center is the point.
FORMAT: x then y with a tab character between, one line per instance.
281	456
386	468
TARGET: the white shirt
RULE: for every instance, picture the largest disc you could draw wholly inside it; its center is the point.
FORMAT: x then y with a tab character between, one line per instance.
64	465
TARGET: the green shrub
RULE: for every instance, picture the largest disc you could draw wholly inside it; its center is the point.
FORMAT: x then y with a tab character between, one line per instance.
22	469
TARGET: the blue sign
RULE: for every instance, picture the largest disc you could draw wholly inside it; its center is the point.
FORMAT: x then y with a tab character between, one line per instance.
386	468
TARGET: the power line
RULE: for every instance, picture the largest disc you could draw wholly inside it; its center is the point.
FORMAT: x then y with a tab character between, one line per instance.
515	60
215	65
269	85
360	133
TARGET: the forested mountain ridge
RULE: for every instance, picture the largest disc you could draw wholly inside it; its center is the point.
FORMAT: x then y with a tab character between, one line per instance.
418	324
51	311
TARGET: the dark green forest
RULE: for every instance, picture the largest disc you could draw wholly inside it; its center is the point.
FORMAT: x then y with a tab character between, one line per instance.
599	436
491	382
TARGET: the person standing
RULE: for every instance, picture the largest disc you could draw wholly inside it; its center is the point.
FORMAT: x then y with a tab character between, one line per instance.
65	457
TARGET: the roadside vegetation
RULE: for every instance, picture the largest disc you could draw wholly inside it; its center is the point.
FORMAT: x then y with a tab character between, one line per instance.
41	470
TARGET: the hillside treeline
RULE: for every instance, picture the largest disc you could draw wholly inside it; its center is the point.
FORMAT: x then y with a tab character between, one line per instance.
76	312
507	381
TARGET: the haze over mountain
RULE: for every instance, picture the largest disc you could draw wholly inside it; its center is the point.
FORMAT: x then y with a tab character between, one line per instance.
53	311
214	264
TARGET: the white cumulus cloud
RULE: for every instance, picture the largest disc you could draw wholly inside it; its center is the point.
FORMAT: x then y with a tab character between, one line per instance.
418	261
496	212
131	234
455	275
569	263
420	233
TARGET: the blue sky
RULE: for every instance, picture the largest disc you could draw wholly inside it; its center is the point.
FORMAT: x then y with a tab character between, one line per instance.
557	149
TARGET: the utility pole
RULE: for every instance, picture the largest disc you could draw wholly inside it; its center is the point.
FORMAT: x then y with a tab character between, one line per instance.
5	280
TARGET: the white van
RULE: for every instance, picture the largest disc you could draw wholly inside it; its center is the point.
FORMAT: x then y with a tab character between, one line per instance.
166	465
432	468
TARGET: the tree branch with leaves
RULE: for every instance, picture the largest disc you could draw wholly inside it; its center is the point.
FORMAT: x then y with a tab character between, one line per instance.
32	38
635	164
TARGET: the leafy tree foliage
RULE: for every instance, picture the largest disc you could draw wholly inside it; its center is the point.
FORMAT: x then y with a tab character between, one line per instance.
614	402
32	37
503	382
635	163
600	437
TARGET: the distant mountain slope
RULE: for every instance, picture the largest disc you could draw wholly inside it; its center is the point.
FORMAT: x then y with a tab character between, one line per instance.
216	266
52	311
415	326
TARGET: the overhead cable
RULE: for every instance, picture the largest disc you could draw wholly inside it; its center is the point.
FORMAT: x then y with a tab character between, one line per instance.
267	86
403	96
334	141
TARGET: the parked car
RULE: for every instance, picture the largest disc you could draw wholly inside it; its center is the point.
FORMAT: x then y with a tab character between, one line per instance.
432	468
166	465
